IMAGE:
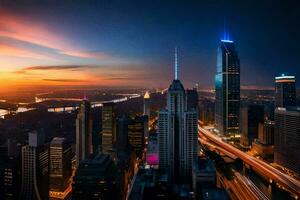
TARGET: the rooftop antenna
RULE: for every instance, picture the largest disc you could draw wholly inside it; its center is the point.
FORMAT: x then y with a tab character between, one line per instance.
176	64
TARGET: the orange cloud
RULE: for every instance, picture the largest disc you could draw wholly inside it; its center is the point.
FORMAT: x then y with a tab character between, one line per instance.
30	31
87	54
10	50
24	29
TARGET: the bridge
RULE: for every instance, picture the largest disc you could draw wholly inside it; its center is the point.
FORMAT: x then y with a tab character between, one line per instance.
287	182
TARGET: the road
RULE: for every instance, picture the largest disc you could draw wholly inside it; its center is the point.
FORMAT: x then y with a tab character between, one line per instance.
284	180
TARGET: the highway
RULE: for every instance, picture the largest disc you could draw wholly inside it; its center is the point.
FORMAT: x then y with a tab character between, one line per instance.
289	183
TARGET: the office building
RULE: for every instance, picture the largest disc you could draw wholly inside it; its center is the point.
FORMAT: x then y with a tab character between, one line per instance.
35	165
136	134
264	145
60	170
10	178
147	104
207	112
96	179
251	116
177	133
109	115
84	134
266	132
285	91
287	139
227	86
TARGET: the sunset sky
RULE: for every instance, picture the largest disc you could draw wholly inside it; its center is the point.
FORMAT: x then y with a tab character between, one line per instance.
118	43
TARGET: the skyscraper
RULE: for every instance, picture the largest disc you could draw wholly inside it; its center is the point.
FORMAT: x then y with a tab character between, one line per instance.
35	165
84	126
136	135
147	104
60	169
177	133
287	138
109	115
227	85
285	91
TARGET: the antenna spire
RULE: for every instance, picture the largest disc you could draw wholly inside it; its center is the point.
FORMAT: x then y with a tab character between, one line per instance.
176	64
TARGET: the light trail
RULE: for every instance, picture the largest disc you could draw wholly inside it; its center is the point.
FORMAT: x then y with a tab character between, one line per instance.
289	183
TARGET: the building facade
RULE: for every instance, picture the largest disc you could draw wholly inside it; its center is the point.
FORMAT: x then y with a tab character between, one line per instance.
227	86
35	165
109	115
84	132
177	133
285	91
60	169
266	133
287	138
10	178
136	135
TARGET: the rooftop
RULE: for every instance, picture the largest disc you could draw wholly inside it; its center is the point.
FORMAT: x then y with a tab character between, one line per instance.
176	86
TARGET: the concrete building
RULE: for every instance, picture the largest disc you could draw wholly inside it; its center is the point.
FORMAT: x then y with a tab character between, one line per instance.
35	165
264	145
287	138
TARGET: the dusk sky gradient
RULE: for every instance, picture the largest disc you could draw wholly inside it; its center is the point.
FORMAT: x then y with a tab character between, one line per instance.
131	43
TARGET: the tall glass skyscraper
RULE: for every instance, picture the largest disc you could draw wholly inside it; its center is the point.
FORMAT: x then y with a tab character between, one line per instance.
177	134
227	85
285	91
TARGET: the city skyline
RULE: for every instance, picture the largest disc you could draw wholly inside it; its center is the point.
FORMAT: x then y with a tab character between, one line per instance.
113	44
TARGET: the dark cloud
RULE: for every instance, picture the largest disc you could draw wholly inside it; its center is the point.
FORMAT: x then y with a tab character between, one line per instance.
53	67
119	78
64	80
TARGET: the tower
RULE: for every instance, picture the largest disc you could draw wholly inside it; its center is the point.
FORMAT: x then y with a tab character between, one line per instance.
227	86
285	91
177	133
84	126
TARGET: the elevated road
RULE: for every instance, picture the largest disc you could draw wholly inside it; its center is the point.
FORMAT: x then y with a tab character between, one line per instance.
289	183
